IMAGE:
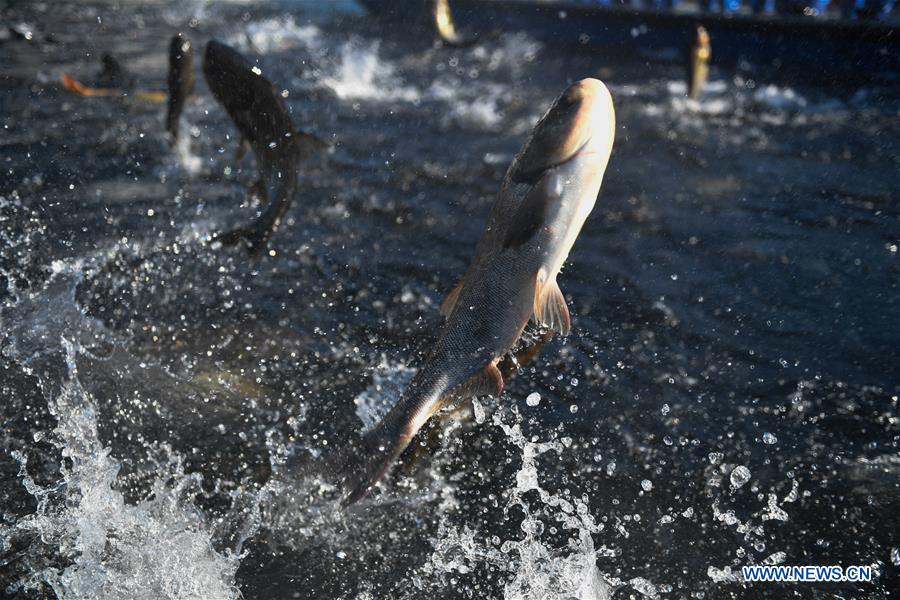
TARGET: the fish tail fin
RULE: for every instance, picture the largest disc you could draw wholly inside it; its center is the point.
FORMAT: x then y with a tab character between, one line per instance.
360	468
279	192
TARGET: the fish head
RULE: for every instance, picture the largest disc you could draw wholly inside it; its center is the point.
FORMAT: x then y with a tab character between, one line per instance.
701	42
702	36
180	50
559	172
581	120
228	75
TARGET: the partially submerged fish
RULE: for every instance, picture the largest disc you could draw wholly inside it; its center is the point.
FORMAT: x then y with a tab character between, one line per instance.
113	73
547	193
180	80
443	24
698	63
266	127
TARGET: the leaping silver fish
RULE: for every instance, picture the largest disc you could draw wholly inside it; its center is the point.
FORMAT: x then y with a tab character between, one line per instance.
547	193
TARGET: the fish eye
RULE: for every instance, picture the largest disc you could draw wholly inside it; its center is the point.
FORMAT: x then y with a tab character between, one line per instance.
570	97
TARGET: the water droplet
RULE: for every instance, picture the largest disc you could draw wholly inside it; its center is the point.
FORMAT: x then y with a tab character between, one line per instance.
533	399
769	439
573	409
478	411
665	409
895	556
715	458
647	485
739	476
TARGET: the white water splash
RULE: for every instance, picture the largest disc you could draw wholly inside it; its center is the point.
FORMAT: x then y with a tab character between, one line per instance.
362	74
388	382
481	112
540	570
190	162
275	35
159	547
513	51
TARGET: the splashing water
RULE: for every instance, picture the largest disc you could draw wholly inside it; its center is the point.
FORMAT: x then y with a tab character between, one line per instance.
388	382
363	74
275	35
538	568
190	162
159	547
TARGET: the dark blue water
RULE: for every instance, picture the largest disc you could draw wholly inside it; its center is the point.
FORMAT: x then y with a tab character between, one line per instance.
728	396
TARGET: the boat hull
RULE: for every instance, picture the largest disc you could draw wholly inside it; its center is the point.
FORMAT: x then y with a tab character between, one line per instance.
792	46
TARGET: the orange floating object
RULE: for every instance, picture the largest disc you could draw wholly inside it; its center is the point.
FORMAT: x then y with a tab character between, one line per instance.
73	85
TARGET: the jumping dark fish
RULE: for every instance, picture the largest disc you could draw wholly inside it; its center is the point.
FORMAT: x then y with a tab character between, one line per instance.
114	80
548	192
181	81
265	126
698	63
113	73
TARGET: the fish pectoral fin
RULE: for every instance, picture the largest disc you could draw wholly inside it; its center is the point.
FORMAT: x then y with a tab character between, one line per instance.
530	216
450	301
486	382
550	308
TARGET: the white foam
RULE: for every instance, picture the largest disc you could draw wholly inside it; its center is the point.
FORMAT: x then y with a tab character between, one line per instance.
362	74
189	161
541	569
778	98
469	106
275	35
160	547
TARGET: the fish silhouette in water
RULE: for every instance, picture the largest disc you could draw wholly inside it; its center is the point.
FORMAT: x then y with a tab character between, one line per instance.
113	81
546	195
180	80
698	63
266	128
114	73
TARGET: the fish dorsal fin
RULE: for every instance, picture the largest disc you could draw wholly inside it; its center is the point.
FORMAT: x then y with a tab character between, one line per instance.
550	308
486	382
450	301
530	216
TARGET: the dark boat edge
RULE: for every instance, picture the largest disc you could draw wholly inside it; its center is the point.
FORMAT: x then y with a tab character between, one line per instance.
792	47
